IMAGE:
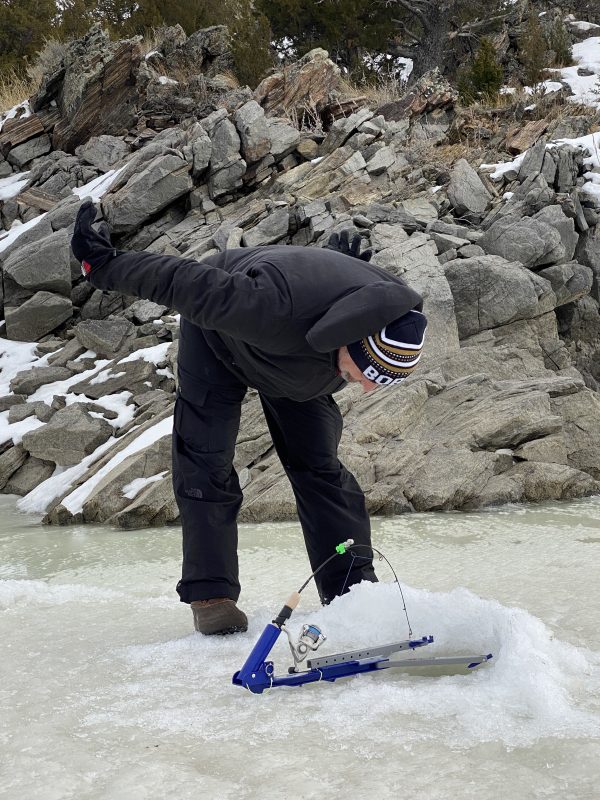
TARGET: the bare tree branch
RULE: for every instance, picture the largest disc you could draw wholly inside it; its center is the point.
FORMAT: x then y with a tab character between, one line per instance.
402	52
411	7
477	24
406	31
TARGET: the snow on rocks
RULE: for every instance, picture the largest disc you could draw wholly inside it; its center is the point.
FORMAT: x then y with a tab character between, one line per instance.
584	87
12	185
499	411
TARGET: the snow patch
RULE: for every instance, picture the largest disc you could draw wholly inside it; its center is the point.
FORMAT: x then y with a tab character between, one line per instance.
11	186
582	25
16	430
45	494
75	501
14	357
17	229
544	87
48	390
11	113
153	355
106	375
112	402
135	487
99	186
584	87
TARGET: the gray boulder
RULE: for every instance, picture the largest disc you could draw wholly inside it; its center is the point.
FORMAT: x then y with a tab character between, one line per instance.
7	401
534	193
415	260
67	353
40	230
253	129
226	164
114	492
569	158
42	265
588	253
133	376
532	242
101	305
201	152
143	311
466	192
41	410
285	138
71	434
22	154
534	160
383	160
39	315
29	380
103	152
33	472
10	461
269	230
489	291
569	281
160	183
105	337
557	219
341	130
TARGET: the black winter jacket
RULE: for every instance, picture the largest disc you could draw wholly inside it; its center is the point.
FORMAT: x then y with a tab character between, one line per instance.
275	316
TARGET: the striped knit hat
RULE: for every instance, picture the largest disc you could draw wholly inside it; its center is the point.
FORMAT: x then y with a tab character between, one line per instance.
388	357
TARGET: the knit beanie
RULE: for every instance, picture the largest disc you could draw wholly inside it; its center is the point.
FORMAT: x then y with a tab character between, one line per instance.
388	357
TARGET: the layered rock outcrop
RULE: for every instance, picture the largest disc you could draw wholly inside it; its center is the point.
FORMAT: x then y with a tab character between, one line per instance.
505	407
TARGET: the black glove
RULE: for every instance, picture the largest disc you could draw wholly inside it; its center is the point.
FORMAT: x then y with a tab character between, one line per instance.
341	243
91	247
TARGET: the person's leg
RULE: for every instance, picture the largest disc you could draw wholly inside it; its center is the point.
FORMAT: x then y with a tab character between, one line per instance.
330	503
206	486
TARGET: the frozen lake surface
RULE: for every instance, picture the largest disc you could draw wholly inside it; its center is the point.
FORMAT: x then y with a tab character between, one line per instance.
105	691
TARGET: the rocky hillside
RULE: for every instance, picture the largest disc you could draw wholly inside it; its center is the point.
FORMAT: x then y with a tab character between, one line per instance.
507	255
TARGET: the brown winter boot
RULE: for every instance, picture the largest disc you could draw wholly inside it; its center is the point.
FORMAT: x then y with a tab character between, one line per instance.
218	615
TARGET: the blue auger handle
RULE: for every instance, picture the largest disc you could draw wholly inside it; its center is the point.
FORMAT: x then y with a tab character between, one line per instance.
257	673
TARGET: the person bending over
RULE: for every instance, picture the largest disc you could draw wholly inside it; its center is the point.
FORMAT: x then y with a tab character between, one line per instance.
296	324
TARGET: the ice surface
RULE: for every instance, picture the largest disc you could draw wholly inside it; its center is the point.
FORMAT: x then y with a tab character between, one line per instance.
130	704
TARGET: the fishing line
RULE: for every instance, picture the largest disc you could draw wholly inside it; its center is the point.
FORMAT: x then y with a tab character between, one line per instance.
348	548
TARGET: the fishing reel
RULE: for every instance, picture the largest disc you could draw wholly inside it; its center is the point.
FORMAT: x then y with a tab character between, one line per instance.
310	639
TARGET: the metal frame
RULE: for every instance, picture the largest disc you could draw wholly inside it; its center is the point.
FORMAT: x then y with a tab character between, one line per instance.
258	674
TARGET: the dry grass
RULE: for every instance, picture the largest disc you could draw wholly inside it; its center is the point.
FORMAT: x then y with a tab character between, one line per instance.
384	90
47	60
150	42
14	89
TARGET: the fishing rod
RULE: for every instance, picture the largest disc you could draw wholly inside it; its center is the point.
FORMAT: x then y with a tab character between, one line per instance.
258	674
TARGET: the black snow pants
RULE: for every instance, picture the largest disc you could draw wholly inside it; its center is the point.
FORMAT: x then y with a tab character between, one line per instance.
330	503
